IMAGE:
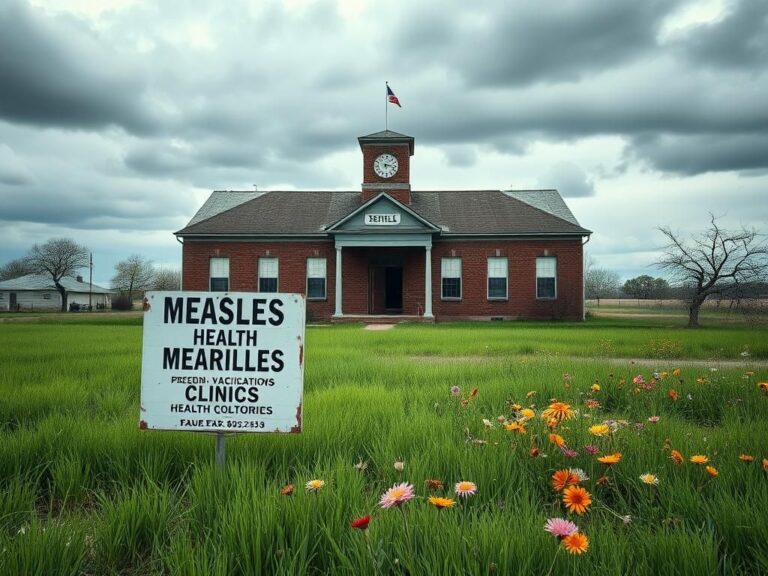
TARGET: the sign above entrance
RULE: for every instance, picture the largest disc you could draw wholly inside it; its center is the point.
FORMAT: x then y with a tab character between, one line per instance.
382	219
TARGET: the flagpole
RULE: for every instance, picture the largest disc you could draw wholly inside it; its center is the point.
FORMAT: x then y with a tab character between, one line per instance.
386	106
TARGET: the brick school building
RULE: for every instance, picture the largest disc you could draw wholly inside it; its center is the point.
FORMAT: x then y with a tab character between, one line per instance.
386	252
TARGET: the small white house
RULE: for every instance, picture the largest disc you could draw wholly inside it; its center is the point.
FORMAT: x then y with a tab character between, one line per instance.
38	292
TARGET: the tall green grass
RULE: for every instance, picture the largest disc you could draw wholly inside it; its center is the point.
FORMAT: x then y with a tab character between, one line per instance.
83	491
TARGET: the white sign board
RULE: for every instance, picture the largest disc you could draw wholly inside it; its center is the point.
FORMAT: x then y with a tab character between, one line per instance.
222	362
382	219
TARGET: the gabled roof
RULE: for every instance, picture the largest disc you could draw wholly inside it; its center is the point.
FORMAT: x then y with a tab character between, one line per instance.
548	200
383	198
468	212
221	201
44	282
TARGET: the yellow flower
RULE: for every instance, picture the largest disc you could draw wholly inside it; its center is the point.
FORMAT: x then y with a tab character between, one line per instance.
595	387
516	406
649	479
518	427
699	459
576	543
676	372
599	430
441	502
314	485
527	413
610	459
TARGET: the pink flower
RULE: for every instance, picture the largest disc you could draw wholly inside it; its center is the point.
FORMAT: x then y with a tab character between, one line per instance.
638	380
465	488
396	495
568	453
653	419
455	391
591	449
560	527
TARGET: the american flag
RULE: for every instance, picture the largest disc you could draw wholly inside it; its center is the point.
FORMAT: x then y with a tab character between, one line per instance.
391	98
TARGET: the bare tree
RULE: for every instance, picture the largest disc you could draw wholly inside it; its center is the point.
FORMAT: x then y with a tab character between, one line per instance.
15	269
58	257
599	282
134	274
166	279
713	262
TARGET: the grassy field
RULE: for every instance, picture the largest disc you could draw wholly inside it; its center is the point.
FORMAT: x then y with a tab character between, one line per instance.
83	491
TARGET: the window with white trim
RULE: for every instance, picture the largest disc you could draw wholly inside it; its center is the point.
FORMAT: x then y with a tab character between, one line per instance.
267	274
316	268
451	278
546	277
497	278
218	274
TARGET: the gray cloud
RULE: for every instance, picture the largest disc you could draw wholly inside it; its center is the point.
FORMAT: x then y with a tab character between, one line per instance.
519	43
54	71
738	41
570	180
702	153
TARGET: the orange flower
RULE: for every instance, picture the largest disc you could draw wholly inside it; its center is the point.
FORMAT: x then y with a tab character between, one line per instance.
673	395
576	543
558	411
473	393
746	457
676	457
557	440
552	423
610	459
576	499
534	452
433	484
562	479
286	490
602	480
711	470
699	459
763	386
765	464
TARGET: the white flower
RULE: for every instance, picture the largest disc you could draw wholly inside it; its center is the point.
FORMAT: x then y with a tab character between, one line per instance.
399	465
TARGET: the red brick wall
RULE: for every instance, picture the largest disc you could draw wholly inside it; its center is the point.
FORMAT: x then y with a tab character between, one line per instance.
521	279
522	302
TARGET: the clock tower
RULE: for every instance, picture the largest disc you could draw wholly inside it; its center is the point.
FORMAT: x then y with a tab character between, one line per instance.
387	165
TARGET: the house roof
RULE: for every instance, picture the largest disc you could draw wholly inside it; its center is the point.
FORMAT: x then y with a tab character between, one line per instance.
468	212
44	282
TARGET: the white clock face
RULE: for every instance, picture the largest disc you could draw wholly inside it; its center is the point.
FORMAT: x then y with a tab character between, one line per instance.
385	165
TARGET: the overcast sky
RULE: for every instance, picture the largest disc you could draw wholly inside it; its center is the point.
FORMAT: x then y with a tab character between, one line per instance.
118	117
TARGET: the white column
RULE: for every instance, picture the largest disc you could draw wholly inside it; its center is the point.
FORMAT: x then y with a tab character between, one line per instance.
338	282
428	282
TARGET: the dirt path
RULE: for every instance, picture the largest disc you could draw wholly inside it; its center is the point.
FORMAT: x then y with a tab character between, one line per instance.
645	362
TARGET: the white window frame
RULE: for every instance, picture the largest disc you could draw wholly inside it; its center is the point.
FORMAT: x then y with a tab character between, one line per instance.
264	261
541	263
496	266
218	266
314	272
447	266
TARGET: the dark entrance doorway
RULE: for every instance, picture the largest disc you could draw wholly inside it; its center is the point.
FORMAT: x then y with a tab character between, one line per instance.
13	301
393	289
385	284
